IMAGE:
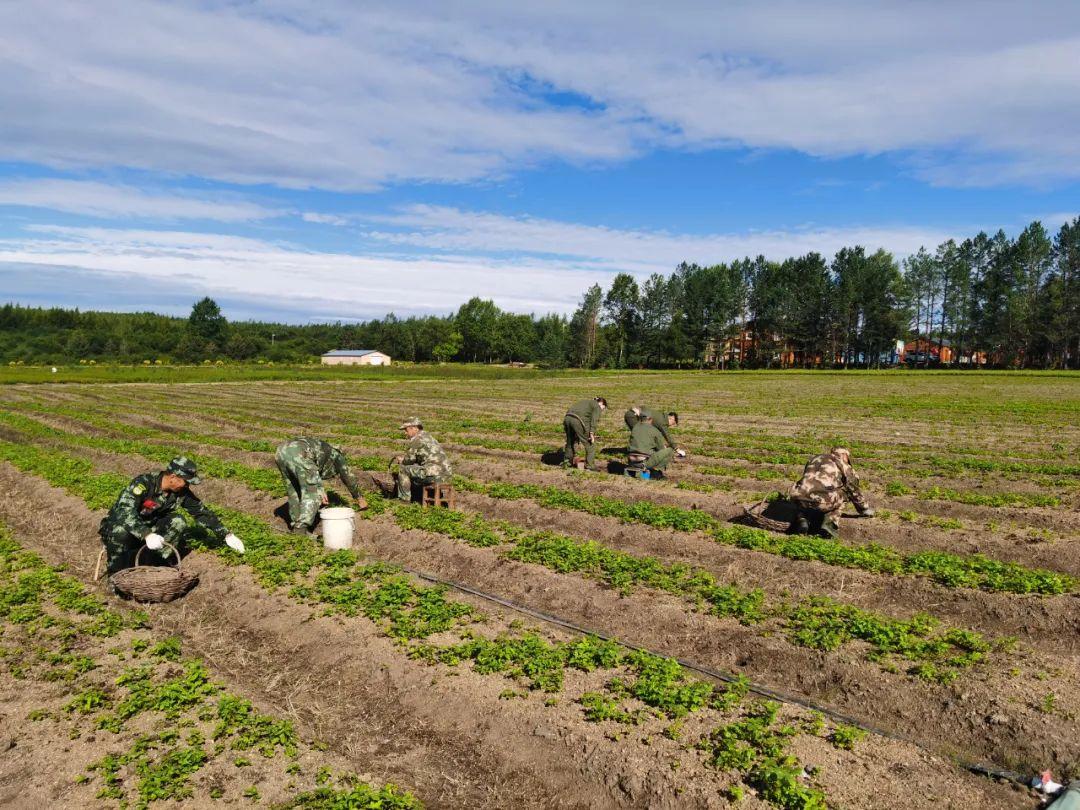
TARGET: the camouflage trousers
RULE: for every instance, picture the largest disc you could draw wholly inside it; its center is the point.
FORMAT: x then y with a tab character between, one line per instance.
409	478
121	545
304	500
576	434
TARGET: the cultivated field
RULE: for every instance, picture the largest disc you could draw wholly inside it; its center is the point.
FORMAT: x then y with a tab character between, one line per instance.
950	621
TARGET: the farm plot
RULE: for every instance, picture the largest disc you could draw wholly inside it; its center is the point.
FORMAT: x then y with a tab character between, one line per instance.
950	619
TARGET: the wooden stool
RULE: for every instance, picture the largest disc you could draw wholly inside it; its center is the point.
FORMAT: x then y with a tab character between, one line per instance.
438	495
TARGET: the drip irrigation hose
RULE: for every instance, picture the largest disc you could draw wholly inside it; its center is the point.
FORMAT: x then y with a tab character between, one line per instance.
982	769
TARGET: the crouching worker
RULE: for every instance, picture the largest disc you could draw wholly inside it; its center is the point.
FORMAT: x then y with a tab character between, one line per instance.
424	461
827	483
303	464
661	421
146	512
648	448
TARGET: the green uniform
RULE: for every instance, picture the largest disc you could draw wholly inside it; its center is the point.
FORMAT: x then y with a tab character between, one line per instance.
303	464
425	462
659	421
580	422
143	509
647	440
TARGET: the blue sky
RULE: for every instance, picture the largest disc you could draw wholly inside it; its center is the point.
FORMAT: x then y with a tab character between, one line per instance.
356	159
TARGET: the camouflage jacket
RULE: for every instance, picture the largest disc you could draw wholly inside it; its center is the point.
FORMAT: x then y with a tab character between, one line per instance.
425	458
659	421
588	411
313	460
646	438
142	504
827	481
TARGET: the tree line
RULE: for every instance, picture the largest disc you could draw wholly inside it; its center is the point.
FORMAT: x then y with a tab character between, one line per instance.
990	300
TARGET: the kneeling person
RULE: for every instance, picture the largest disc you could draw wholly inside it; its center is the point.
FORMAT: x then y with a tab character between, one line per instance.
828	482
146	512
660	420
424	461
646	440
303	464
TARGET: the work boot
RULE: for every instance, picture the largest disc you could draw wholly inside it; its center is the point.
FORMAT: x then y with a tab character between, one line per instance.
300	528
829	528
801	525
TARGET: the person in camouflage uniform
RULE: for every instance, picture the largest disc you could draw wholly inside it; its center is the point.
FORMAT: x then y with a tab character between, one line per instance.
828	482
424	461
145	512
660	420
303	464
647	440
581	423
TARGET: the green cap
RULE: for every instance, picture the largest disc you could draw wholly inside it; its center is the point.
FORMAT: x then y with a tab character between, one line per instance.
412	421
185	468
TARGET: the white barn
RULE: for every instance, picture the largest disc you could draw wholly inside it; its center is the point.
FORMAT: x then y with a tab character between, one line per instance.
355	357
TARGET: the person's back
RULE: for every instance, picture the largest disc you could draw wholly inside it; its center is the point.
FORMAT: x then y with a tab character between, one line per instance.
662	420
828	482
427	456
304	463
580	426
588	411
646	439
821	484
316	452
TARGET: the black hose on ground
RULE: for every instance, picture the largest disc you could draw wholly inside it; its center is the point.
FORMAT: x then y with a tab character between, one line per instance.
982	769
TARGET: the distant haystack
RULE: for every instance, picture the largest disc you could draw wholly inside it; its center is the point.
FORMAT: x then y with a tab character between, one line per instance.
355	357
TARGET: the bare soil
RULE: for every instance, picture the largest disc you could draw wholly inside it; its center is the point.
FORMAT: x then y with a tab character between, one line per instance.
448	736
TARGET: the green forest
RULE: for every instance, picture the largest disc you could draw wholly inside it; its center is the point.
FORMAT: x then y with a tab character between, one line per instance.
986	301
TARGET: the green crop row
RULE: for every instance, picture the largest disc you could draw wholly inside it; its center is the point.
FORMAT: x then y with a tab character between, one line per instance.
262	478
54	630
764	474
797	447
815	622
952	570
994	499
411	613
281	558
374	463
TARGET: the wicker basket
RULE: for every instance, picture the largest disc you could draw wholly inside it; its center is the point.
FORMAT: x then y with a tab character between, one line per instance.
154	583
776	515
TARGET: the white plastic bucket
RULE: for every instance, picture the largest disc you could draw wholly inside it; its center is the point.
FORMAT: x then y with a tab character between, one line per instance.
337	527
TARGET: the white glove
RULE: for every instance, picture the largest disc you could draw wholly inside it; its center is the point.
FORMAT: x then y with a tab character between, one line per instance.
234	542
154	541
680	453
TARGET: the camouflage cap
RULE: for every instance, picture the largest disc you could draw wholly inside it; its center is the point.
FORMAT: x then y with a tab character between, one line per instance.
185	468
412	421
841	452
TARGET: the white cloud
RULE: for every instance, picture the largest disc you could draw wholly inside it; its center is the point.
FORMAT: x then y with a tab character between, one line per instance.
360	286
640	252
324	219
117	201
454	255
350	96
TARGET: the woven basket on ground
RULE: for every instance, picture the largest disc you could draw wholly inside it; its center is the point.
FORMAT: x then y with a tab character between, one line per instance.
154	583
776	515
